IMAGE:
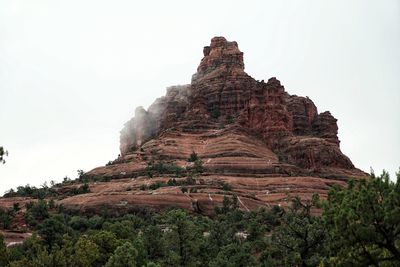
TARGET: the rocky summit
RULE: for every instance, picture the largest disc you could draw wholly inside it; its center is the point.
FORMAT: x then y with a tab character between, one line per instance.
224	134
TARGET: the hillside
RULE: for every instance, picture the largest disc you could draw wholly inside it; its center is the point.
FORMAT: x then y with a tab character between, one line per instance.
224	134
251	135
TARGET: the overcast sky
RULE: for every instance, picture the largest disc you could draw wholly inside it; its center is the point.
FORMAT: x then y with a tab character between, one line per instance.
72	72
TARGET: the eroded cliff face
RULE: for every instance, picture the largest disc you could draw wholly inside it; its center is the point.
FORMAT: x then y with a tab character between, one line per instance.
160	115
221	94
250	134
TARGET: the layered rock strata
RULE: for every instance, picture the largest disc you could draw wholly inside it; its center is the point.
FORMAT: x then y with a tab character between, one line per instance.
266	144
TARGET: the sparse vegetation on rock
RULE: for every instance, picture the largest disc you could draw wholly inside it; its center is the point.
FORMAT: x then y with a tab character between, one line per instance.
157	168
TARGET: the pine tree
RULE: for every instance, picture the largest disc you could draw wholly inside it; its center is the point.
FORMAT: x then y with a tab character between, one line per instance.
124	256
3	252
300	237
364	222
86	252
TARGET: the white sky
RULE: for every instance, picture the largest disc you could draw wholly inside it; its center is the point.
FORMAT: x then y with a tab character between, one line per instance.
72	72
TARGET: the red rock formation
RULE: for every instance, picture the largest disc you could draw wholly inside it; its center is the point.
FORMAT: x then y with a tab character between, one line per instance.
239	127
252	135
221	92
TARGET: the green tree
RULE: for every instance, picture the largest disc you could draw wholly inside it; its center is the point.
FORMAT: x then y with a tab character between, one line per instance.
221	234
15	253
78	223
16	207
234	255
86	252
182	238
52	229
58	258
153	243
5	218
198	166
39	210
95	222
142	256
301	237
364	222
122	229
229	204
193	157
34	253
65	257
107	243
215	112
82	177
41	258
3	252
124	256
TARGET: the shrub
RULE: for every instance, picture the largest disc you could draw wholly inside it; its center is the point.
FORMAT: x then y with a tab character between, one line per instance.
226	186
52	229
230	119
193	190
32	191
190	181
163	168
157	185
198	167
124	255
229	204
37	211
193	157
66	180
215	113
5	218
143	187
51	204
78	223
16	207
184	189
95	222
172	182
83	189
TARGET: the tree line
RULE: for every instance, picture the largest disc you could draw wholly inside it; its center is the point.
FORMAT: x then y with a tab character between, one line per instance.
355	226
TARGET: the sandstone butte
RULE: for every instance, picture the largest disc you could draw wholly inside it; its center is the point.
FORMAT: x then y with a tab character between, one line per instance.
255	141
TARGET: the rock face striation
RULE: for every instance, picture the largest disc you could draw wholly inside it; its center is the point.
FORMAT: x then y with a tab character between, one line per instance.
252	135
